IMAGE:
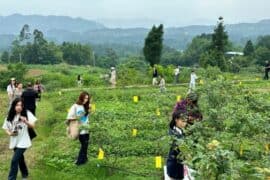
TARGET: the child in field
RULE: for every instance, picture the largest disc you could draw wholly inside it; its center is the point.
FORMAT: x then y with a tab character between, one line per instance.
175	167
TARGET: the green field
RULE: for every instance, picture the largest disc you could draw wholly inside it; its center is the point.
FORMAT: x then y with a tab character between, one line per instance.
126	157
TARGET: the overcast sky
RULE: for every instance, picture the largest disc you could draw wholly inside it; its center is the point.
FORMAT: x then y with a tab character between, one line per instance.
127	13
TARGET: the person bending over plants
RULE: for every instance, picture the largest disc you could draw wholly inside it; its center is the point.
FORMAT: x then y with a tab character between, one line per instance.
190	107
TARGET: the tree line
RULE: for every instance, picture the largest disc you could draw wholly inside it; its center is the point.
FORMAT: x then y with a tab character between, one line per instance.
204	50
207	50
33	48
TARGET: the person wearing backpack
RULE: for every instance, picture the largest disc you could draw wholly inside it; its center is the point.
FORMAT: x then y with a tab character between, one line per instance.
16	125
79	113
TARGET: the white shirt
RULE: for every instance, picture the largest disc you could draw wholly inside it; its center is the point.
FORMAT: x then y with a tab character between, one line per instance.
10	89
113	74
180	131
193	78
176	71
77	112
22	140
162	82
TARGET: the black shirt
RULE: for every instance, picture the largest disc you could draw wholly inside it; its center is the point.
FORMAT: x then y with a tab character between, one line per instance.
29	96
155	73
267	67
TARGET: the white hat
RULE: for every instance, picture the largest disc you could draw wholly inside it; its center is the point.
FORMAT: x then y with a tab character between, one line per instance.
112	68
13	79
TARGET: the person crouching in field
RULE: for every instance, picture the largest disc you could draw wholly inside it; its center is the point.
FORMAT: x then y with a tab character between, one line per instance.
17	125
80	112
175	167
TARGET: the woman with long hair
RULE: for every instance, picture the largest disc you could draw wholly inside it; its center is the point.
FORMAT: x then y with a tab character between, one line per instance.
80	112
16	126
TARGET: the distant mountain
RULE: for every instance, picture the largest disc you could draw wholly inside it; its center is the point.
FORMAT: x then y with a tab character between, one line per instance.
265	21
174	37
12	24
129	22
61	28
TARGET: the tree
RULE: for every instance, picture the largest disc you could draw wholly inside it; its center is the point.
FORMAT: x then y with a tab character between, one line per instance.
25	33
262	54
171	56
41	52
39	38
5	57
219	37
249	48
36	53
17	48
217	48
196	48
17	70
108	60
208	58
50	54
77	54
112	57
16	52
153	45
264	41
